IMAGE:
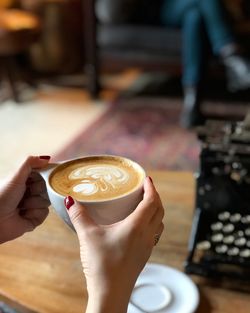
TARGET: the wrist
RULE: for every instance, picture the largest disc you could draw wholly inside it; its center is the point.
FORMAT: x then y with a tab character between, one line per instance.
106	300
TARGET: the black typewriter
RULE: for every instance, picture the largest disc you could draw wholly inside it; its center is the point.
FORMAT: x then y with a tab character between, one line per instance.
219	244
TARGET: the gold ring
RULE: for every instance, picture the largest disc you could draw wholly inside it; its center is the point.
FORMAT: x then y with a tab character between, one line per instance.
156	238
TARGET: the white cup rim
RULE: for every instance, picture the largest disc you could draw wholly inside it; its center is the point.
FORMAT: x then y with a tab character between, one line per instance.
137	165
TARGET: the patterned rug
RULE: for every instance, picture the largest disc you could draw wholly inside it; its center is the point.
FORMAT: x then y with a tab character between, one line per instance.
143	129
146	130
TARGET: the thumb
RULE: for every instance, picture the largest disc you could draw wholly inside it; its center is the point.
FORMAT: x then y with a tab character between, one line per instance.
31	163
78	215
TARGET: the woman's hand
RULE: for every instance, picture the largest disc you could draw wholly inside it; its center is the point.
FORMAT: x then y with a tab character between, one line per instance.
114	255
23	200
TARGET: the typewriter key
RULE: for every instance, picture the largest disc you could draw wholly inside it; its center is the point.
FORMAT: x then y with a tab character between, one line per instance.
208	187
216	226
229	239
248	244
233	251
245	219
245	253
201	191
224	216
216	170
235	218
217	238
228	228
203	245
240	242
247	232
221	249
239	233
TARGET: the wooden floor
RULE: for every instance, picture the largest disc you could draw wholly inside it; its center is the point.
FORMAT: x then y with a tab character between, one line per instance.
50	118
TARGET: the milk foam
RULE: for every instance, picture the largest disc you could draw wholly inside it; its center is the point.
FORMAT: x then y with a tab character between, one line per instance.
97	178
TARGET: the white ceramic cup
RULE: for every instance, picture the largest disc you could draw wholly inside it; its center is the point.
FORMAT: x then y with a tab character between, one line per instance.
103	212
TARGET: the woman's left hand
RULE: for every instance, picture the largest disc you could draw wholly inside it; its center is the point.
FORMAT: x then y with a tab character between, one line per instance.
23	200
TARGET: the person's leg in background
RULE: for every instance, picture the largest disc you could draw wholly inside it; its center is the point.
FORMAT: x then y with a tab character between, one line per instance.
185	14
224	44
193	57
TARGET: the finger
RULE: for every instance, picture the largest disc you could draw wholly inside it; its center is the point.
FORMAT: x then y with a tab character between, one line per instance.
149	187
34	177
148	206
35	216
160	229
31	163
34	202
45	196
78	215
157	234
158	216
37	188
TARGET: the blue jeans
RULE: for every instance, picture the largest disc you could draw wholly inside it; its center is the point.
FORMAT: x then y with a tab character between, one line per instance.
192	16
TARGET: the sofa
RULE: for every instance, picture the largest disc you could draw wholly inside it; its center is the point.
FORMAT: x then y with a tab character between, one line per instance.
121	44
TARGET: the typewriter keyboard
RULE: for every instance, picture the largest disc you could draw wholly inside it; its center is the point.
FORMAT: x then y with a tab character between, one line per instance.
227	239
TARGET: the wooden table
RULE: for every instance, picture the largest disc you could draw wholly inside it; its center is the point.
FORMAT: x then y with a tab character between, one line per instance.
42	270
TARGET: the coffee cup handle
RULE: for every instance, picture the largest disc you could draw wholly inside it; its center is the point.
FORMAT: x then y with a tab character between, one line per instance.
45	172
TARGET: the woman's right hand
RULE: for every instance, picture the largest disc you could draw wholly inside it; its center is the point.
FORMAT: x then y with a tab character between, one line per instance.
114	255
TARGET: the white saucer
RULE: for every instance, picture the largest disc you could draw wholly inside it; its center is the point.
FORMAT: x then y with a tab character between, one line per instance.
162	289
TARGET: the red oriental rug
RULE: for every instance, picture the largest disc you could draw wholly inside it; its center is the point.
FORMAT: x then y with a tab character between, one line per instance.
143	129
146	130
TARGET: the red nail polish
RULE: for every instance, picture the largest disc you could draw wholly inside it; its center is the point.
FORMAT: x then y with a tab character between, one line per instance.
68	202
44	157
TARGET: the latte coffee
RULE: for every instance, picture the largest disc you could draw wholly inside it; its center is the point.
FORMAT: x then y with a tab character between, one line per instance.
97	178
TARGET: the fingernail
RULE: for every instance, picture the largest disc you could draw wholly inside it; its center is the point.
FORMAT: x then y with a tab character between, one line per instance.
150	179
68	202
44	157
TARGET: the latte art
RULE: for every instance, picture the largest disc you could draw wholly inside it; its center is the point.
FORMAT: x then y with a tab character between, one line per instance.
96	179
